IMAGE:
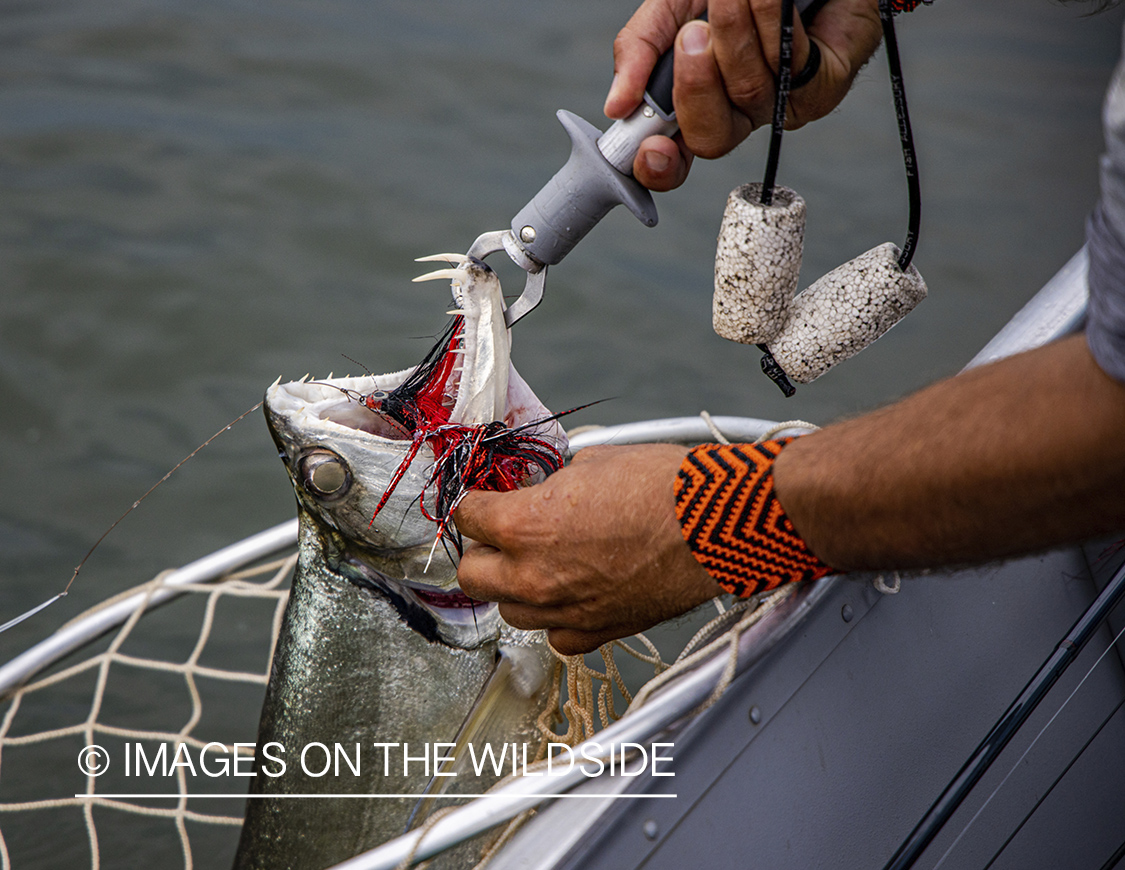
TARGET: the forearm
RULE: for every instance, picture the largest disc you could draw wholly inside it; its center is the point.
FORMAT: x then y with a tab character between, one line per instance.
1000	460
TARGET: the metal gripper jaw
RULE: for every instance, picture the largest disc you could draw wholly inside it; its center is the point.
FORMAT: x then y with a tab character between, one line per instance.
564	211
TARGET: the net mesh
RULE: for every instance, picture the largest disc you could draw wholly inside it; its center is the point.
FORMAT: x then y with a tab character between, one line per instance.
105	688
113	694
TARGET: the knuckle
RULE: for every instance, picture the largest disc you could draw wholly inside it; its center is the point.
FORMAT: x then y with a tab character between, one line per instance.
711	150
630	47
537	595
517	617
751	92
566	642
624	41
706	144
726	18
504	525
621	45
467	581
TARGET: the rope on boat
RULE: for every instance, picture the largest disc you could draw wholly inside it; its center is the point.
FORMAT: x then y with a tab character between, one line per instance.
881	585
781	427
584	701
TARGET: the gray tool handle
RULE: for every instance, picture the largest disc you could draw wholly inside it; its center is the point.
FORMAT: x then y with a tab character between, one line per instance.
577	197
599	173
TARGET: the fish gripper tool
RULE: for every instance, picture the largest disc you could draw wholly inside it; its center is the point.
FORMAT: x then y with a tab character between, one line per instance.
597	176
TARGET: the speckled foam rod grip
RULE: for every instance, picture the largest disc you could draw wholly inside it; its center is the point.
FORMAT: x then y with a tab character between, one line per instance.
846	310
757	262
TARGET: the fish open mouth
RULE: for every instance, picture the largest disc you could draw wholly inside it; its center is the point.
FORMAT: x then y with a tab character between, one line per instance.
396	406
383	460
390	406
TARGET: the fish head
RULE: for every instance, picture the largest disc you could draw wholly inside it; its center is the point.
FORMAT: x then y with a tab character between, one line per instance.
362	473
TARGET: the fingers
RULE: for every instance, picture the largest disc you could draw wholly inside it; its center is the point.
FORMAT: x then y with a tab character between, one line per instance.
848	32
484	570
709	123
661	163
594	550
725	72
482	516
482	573
648	34
569	642
766	16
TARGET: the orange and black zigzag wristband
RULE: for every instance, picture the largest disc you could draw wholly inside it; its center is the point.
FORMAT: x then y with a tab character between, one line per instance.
733	522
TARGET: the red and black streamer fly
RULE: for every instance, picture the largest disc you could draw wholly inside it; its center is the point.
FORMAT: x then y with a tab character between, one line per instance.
491	456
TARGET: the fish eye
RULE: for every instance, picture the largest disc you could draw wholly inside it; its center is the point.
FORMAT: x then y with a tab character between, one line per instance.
324	474
378	395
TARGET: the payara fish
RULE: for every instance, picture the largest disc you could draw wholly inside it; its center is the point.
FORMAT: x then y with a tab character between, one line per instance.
383	663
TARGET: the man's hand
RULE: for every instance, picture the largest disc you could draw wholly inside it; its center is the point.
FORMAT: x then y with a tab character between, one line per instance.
593	553
725	69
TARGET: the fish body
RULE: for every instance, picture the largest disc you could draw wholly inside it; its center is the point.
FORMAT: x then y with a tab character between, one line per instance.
379	651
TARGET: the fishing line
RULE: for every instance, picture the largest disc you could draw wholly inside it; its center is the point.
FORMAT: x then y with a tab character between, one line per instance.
1058	779
1115	858
1065	652
361	365
1020	760
30	613
116	522
902	114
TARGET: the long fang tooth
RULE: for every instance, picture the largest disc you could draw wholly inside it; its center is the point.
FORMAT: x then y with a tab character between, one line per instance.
459	259
456	311
447	274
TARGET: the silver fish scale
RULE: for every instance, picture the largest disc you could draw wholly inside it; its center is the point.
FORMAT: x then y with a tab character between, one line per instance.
376	682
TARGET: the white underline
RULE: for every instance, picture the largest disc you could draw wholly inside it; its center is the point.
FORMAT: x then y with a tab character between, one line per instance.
414	796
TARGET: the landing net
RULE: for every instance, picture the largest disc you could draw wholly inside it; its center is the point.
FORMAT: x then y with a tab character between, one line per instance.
112	694
148	685
109	698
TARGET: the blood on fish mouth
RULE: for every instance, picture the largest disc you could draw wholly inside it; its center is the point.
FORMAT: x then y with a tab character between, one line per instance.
453	600
489	456
425	397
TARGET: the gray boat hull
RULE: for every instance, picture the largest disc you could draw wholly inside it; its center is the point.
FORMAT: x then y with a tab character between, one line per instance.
829	751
